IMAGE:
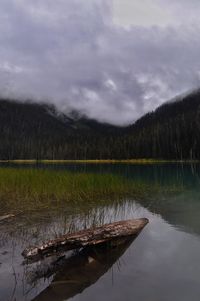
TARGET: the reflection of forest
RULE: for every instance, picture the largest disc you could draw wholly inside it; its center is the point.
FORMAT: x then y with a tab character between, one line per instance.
161	174
74	274
181	209
183	212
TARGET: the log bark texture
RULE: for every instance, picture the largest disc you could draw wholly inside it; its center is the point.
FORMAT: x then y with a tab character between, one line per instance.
88	237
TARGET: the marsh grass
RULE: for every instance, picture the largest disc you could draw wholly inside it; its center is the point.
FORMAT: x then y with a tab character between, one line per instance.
29	189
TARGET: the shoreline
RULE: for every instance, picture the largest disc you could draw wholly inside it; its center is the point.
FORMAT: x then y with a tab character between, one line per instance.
106	161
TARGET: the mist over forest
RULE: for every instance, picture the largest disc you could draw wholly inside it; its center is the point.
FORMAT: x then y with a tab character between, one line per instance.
39	131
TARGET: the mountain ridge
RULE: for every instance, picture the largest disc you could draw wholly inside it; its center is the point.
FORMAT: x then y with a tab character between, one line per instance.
30	130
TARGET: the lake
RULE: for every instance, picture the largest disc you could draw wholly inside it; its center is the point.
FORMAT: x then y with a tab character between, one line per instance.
162	263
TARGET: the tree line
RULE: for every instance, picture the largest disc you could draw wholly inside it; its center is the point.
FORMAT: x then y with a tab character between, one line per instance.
37	131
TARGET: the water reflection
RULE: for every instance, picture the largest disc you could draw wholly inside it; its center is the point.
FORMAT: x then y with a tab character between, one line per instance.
181	210
161	173
74	274
33	229
156	255
162	264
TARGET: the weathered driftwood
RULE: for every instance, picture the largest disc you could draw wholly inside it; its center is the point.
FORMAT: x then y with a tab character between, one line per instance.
88	237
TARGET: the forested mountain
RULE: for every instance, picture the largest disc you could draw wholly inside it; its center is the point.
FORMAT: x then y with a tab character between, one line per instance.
29	130
171	132
39	131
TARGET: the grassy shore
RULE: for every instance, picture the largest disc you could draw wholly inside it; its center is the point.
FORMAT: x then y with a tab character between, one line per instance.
27	189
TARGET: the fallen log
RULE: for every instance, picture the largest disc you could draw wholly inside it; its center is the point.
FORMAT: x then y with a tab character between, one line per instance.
88	237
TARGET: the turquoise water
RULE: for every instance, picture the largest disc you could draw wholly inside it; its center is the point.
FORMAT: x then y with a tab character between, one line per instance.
162	263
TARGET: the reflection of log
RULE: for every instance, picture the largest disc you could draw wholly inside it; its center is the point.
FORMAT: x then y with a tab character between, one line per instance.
82	270
88	237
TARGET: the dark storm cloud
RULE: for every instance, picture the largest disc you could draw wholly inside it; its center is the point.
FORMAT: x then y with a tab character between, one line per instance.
83	55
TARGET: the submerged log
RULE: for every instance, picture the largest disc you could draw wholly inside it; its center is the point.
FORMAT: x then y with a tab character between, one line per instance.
71	276
88	237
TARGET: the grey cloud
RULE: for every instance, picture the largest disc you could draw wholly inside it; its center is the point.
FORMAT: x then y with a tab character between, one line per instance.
70	53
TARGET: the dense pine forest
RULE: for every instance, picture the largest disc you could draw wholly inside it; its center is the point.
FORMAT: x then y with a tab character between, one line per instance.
38	131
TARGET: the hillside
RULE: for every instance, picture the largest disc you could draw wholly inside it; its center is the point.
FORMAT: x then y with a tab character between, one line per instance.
29	130
170	132
38	131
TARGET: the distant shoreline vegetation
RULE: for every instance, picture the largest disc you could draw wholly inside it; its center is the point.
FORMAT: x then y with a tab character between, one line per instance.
130	161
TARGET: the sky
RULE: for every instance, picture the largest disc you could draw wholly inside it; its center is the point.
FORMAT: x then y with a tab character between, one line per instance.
112	60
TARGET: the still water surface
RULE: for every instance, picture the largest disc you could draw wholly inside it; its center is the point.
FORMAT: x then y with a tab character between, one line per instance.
162	263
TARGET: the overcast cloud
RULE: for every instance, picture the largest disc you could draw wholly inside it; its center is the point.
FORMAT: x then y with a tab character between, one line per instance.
112	60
